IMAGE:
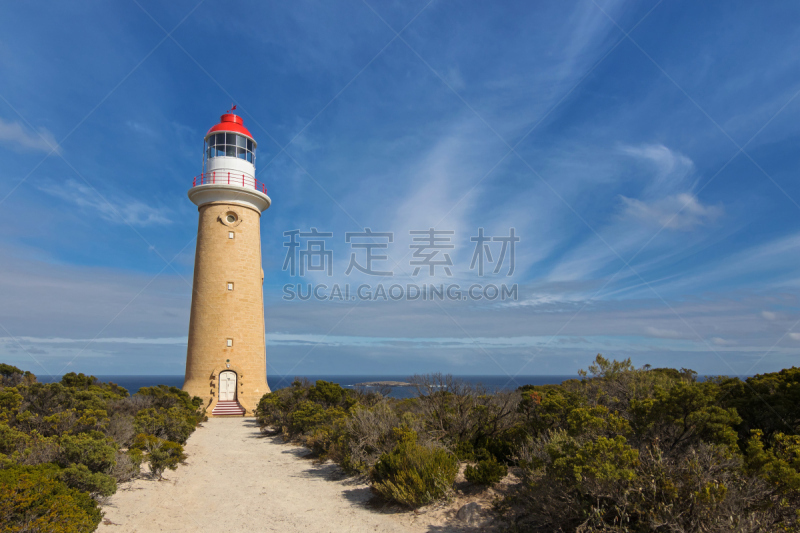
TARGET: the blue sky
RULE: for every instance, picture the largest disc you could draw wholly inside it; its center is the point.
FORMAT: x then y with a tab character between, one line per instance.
644	152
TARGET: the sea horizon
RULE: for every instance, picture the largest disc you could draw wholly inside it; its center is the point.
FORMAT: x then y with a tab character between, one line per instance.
494	382
133	382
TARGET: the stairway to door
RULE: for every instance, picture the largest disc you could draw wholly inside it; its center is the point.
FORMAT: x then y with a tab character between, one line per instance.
227	404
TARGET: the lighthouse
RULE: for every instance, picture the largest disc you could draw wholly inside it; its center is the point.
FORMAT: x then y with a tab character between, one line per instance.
226	356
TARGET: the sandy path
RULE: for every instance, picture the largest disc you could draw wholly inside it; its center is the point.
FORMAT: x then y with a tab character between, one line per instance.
237	480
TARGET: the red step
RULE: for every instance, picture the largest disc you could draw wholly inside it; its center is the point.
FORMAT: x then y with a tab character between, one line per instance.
228	408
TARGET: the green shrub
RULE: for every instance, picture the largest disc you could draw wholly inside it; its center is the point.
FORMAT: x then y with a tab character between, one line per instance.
11	440
320	440
165	397
60	445
327	393
414	475
91	449
272	410
10	402
174	424
161	454
81	478
306	416
486	472
11	376
464	451
33	500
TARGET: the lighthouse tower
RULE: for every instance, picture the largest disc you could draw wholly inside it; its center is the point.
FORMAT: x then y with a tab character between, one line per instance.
226	360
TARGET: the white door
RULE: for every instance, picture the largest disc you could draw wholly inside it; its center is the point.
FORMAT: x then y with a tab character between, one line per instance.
227	386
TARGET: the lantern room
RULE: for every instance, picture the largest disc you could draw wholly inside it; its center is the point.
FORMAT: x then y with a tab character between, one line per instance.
229	148
229	158
230	138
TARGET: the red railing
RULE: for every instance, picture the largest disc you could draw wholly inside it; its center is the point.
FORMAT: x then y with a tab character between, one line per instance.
228	178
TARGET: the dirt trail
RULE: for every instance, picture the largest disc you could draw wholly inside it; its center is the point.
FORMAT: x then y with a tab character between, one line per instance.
236	479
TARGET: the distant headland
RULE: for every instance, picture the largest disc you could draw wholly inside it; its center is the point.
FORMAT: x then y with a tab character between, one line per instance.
383	384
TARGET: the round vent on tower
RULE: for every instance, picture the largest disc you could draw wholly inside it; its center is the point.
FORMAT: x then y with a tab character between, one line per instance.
230	218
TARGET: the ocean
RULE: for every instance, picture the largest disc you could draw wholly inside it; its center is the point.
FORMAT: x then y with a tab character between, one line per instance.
134	383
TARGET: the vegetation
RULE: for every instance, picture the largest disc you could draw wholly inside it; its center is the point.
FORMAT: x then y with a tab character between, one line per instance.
65	446
487	472
414	474
628	449
621	449
162	454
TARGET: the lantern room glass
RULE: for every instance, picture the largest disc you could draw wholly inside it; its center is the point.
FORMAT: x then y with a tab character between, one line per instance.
230	145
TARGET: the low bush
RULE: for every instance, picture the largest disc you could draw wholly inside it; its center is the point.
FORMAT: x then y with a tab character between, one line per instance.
161	454
32	499
173	423
64	444
628	449
413	474
78	476
94	450
127	465
486	472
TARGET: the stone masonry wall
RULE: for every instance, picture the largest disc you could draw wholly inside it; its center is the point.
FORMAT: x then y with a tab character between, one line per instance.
219	314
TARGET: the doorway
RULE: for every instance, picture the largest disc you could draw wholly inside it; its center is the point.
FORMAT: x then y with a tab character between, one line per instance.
227	386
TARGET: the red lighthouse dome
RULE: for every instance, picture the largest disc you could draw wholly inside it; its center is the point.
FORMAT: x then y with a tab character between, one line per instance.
230	122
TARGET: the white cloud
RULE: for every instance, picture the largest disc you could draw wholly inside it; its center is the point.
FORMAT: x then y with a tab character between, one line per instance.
16	136
662	333
666	161
794	336
680	211
719	341
125	210
769	315
98	340
667	200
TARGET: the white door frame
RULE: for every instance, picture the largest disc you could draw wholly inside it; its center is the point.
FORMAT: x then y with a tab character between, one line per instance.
235	383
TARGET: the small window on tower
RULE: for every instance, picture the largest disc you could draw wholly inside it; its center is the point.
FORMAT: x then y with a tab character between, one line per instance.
230	343
230	235
231	218
230	285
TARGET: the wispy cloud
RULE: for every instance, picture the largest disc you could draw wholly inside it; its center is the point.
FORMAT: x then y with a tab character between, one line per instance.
668	199
662	333
120	210
18	137
679	212
670	166
99	340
